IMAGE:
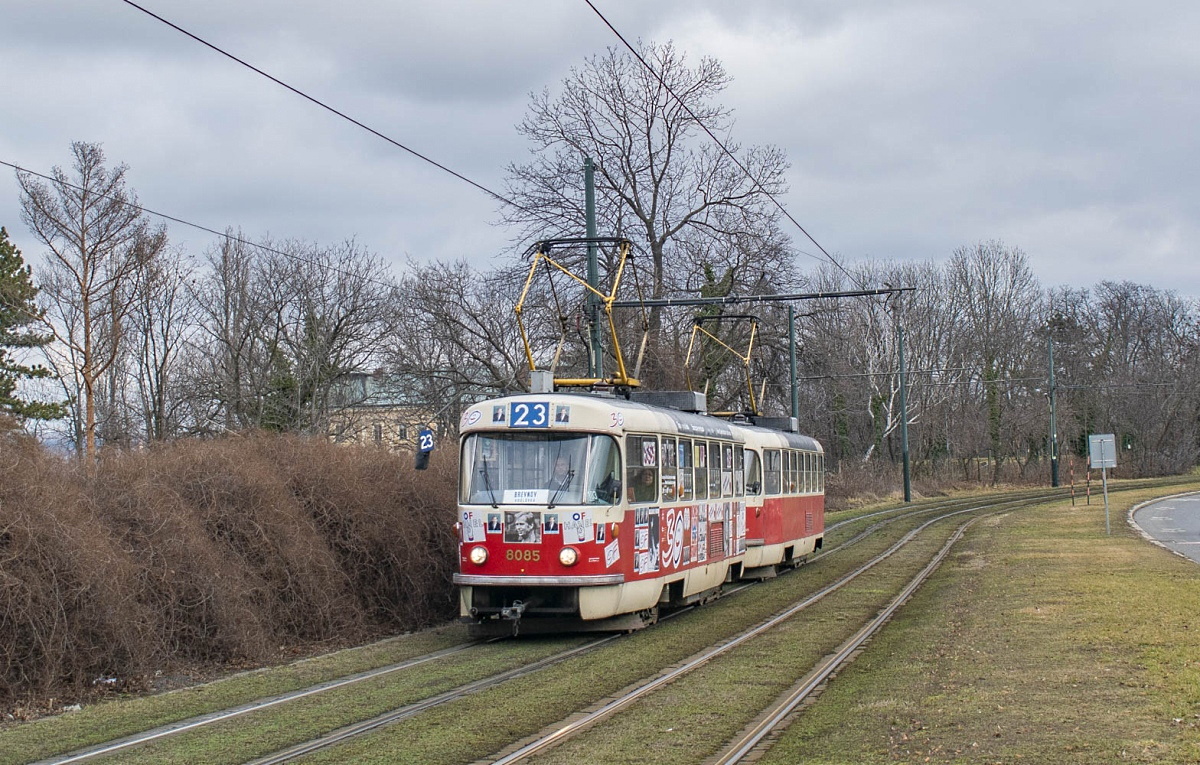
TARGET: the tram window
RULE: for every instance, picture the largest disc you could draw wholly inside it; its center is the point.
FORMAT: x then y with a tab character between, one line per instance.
793	472
685	469
806	472
669	458
518	468
753	471
739	474
714	470
820	472
701	452
604	472
641	468
774	470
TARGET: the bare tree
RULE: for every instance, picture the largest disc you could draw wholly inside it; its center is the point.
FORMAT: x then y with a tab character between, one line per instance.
334	310
231	328
999	300
281	323
99	243
162	321
661	181
1128	355
458	328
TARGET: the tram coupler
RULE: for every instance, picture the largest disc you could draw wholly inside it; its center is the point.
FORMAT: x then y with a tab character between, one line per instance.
513	612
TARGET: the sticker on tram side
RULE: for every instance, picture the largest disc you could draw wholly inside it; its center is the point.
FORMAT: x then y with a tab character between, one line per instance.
728	541
599	533
685	542
655	537
550	523
648	453
562	414
741	526
694	547
472	525
498	413
578	527
494	524
612	554
672	549
522	527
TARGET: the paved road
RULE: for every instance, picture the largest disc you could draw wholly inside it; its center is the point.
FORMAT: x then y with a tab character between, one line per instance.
1174	522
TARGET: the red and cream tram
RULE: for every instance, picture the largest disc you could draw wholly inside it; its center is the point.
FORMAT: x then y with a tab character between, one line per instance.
589	512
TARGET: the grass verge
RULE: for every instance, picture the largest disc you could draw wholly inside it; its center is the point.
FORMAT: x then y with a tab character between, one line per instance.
113	719
1043	640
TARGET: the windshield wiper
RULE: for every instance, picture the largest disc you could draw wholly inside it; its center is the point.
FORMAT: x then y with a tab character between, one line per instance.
562	486
487	483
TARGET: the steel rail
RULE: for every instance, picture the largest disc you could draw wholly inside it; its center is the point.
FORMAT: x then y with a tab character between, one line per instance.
579	724
752	738
352	731
410	710
200	721
357	729
233	712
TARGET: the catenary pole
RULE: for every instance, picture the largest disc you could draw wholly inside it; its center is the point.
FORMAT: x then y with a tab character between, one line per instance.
904	417
1053	423
596	360
792	355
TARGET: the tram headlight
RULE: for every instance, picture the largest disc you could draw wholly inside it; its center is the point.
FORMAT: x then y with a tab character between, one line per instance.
478	555
568	556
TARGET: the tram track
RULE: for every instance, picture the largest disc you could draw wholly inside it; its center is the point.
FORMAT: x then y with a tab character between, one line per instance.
358	729
776	717
882	519
212	718
124	746
577	724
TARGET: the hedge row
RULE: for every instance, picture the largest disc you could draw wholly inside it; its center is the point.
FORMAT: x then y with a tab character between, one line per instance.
210	552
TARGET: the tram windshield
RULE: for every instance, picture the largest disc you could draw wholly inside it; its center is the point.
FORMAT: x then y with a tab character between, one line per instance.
540	469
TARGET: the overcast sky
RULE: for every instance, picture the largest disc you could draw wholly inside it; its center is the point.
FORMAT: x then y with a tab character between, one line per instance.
1067	129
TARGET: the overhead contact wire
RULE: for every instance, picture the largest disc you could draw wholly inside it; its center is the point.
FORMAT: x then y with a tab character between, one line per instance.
720	144
331	109
226	236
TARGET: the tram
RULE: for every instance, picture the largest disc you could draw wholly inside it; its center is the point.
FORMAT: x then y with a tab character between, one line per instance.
587	511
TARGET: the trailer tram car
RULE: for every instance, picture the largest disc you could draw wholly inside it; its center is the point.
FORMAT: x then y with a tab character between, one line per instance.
582	512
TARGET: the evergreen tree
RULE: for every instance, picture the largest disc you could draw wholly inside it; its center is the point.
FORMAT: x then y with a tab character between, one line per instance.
17	312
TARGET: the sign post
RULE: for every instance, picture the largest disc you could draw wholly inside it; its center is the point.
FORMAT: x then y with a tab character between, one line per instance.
424	447
1102	453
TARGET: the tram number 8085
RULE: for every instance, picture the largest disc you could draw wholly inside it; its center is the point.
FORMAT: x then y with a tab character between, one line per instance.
525	555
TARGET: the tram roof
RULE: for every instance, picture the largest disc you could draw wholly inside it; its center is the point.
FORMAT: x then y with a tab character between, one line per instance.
683	423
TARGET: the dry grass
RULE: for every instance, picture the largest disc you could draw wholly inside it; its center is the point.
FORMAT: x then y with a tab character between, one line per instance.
1042	641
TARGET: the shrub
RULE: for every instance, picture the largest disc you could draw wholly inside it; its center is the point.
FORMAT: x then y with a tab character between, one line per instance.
211	552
